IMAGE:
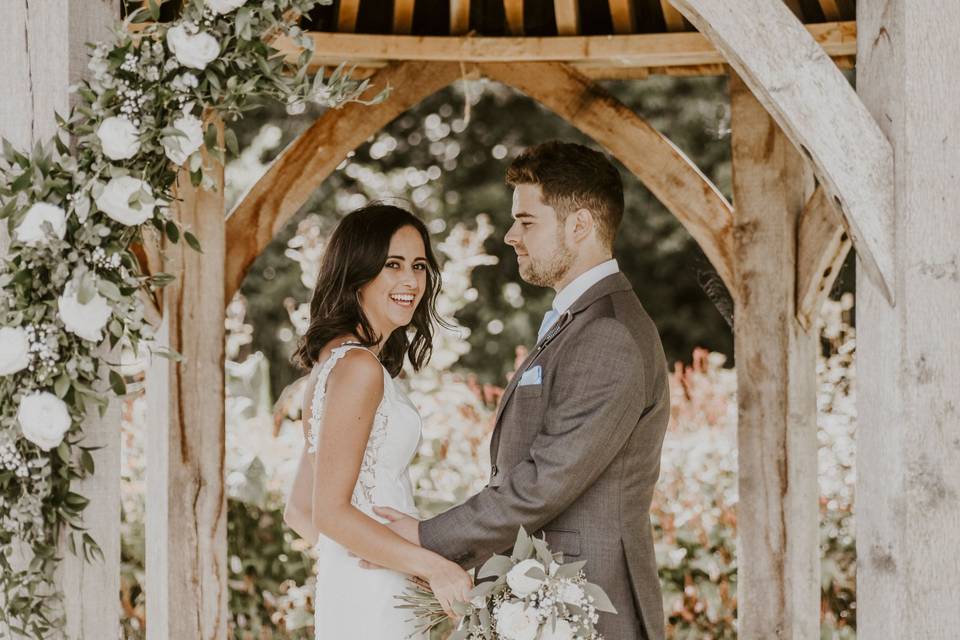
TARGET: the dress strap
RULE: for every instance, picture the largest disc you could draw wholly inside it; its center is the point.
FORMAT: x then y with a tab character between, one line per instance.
363	492
320	387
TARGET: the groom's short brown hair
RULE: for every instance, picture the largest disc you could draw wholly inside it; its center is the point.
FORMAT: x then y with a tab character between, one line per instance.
571	177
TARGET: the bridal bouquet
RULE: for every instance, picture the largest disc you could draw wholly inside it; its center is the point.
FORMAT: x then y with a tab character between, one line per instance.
530	595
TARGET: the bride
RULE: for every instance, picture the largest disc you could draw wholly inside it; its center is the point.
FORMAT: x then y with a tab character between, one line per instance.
378	281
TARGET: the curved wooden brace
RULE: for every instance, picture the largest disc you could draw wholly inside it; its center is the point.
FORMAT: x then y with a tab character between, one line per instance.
661	166
309	159
822	246
798	84
307	162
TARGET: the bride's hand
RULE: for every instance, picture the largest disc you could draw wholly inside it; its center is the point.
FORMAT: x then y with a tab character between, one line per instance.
450	584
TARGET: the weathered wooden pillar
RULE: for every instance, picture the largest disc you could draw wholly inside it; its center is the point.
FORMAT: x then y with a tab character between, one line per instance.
44	51
777	515
908	356
186	499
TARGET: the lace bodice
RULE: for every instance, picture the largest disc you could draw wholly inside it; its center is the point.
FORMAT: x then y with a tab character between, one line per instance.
394	439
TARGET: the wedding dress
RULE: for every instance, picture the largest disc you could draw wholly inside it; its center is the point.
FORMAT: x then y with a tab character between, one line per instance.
350	601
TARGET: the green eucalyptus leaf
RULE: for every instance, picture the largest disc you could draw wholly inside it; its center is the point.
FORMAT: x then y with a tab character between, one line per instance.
61	385
192	241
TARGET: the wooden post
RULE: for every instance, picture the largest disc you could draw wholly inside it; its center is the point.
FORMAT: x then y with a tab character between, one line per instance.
186	499
908	356
777	516
43	46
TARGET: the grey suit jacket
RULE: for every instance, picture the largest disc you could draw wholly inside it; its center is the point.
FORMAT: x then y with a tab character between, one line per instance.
577	457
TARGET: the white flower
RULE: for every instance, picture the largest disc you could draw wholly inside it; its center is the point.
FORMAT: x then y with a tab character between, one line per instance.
522	584
225	6
85	320
44	419
114	200
179	148
30	231
572	594
119	137
515	622
562	631
14	350
194	51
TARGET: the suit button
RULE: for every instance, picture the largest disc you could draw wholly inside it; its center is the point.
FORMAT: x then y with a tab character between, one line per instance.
494	470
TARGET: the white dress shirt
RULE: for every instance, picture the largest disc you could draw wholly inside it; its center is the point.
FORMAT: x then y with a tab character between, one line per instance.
569	294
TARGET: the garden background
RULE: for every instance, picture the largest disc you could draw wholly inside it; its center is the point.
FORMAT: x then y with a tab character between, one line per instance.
445	159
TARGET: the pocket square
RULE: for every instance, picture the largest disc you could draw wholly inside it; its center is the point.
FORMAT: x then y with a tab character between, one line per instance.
533	375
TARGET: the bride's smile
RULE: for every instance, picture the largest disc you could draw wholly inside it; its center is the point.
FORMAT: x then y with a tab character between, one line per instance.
390	300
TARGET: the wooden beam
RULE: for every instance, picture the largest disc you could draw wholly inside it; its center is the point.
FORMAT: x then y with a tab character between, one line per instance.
638	50
672	18
822	247
778	590
624	20
347	16
830	9
402	17
186	519
568	17
908	357
43	46
309	159
660	165
817	108
459	17
514	14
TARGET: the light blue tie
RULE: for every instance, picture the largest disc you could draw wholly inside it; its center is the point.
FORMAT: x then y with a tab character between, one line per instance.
548	319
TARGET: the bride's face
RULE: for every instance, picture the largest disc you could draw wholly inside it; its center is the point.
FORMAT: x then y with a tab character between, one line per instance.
390	299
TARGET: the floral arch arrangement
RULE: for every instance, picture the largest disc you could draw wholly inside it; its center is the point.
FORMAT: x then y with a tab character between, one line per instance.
73	209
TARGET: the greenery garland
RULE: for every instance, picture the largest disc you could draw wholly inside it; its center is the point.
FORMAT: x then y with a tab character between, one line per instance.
69	282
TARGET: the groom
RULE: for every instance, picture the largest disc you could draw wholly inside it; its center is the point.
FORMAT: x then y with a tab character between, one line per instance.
576	446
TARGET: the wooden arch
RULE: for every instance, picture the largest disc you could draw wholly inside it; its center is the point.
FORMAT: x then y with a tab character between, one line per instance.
309	160
811	101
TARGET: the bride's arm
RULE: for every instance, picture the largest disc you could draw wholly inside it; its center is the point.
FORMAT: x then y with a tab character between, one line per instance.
354	391
298	512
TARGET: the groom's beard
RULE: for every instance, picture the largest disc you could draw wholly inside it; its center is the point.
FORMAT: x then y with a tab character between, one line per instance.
544	273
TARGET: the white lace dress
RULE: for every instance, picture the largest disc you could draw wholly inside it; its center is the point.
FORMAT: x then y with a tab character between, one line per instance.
352	602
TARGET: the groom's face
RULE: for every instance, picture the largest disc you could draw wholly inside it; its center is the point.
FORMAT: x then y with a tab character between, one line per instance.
537	235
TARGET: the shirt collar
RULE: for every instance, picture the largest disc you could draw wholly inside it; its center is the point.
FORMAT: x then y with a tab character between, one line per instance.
569	294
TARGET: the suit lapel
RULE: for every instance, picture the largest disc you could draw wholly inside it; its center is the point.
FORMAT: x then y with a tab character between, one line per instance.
607	286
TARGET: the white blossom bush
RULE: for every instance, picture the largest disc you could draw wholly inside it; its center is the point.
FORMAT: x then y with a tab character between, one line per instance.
694	508
73	208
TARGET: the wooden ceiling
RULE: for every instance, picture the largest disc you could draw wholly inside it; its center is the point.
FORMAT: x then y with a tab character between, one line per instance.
601	38
538	18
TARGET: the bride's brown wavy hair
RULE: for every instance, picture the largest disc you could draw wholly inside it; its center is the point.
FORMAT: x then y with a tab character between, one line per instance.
355	254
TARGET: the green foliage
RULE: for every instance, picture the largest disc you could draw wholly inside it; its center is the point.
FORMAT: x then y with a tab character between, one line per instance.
68	283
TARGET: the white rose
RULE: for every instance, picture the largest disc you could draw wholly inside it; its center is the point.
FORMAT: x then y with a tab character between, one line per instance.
14	350
44	419
522	584
119	138
515	622
84	320
572	594
194	51
179	148
114	201
562	631
30	231
225	6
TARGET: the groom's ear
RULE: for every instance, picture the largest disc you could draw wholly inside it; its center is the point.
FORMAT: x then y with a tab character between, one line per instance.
583	224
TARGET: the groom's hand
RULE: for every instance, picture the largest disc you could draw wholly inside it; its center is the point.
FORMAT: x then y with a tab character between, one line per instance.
403	525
